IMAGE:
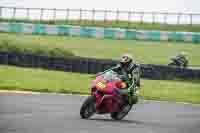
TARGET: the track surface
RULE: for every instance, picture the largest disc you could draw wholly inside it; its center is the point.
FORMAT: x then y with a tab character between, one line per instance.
51	113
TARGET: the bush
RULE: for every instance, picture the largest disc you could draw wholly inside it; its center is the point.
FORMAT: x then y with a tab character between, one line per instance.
10	46
57	52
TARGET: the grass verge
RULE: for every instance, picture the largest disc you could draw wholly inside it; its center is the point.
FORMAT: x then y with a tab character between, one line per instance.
12	46
15	78
147	52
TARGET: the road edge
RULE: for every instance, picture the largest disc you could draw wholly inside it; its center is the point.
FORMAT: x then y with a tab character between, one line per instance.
78	94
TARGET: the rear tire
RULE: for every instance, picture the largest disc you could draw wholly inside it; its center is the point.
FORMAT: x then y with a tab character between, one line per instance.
88	107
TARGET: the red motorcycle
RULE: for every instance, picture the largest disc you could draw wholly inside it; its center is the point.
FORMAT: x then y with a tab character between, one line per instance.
105	99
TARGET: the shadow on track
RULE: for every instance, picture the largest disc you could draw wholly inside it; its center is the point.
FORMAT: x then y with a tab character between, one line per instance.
118	121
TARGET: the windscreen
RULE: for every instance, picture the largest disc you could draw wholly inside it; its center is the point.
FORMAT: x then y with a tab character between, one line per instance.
111	76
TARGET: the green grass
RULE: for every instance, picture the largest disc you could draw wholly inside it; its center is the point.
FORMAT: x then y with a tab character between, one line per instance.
147	52
115	24
15	78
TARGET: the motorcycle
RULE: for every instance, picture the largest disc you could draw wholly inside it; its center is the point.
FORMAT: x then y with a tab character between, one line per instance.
104	100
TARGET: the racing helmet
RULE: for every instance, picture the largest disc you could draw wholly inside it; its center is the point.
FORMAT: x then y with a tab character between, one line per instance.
183	53
126	59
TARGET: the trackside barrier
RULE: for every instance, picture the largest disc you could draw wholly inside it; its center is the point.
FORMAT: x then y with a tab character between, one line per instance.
97	32
92	66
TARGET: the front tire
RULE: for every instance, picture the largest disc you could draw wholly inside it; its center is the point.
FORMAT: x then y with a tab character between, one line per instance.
120	115
88	107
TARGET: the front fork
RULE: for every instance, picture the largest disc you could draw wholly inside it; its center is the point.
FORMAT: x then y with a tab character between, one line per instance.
132	97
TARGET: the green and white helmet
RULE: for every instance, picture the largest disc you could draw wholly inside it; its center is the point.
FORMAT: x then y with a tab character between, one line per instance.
126	59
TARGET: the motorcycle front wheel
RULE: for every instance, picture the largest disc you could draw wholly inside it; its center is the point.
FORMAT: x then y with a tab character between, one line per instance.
88	107
120	115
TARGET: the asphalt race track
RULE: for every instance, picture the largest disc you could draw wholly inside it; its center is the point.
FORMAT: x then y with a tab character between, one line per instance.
52	113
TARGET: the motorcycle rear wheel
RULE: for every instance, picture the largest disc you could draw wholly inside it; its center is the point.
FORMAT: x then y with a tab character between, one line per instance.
88	107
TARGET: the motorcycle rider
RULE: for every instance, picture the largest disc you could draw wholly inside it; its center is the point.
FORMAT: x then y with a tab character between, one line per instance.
129	68
181	59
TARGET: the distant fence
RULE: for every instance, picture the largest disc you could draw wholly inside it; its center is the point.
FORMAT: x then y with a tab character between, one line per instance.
92	66
97	32
98	15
